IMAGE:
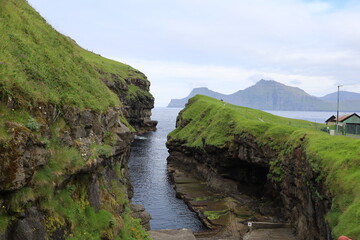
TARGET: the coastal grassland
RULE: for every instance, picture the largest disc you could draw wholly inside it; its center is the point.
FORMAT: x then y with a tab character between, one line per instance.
339	159
212	122
206	121
38	64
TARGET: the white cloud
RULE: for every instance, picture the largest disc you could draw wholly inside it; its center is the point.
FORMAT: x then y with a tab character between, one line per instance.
319	7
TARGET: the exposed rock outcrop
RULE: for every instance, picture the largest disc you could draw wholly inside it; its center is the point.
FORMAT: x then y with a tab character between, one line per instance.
20	156
284	181
244	168
97	168
133	91
140	213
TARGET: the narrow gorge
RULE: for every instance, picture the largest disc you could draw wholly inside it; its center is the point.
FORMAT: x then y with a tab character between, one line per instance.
68	120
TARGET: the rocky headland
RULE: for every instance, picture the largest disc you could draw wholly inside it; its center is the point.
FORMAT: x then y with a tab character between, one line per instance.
281	170
67	119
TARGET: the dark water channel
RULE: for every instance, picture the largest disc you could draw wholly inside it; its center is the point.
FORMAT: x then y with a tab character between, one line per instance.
151	182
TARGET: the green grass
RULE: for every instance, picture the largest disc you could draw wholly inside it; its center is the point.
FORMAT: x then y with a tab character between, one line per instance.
127	124
70	206
131	230
213	122
4	221
206	121
21	199
6	115
38	64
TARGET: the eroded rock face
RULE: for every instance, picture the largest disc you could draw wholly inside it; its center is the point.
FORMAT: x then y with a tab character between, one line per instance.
140	212
20	156
244	166
305	197
137	107
29	227
102	175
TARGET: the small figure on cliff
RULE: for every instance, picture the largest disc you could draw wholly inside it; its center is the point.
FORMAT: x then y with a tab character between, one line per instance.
343	238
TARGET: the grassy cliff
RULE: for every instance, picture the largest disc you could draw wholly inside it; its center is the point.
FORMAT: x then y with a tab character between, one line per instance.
206	121
64	135
38	64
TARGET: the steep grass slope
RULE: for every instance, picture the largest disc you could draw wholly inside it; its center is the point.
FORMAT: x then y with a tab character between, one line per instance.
209	122
39	64
64	134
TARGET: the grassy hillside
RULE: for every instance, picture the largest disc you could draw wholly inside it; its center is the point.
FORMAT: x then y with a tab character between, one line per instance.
38	64
212	122
40	68
217	122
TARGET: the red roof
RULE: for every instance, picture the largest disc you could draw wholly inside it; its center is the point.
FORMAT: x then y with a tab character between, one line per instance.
346	116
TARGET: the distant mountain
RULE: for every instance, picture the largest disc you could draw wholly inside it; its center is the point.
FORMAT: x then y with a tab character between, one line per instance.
344	96
180	103
272	95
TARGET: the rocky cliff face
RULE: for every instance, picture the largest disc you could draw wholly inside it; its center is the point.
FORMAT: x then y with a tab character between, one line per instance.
282	178
133	91
64	174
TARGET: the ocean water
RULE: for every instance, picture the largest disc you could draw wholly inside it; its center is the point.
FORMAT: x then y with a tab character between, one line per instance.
313	116
151	182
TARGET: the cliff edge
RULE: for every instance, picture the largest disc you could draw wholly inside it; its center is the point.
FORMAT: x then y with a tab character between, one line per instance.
309	175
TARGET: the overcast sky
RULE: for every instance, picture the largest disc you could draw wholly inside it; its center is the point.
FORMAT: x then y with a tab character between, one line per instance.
224	45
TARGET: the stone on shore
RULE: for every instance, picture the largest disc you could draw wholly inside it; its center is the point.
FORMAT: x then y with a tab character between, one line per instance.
173	234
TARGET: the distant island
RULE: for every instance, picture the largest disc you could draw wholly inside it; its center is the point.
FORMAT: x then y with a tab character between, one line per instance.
272	95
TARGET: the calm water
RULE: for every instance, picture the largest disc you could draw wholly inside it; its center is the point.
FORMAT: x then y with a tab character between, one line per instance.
319	117
148	174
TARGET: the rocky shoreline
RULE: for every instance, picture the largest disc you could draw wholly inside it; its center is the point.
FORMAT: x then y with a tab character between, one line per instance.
225	216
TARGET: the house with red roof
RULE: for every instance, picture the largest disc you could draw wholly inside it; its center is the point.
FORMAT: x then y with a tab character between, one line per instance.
349	123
